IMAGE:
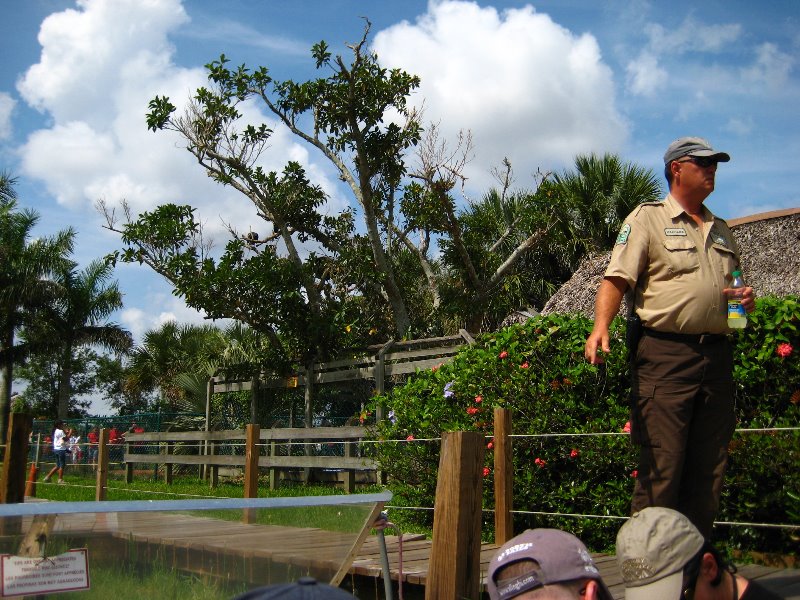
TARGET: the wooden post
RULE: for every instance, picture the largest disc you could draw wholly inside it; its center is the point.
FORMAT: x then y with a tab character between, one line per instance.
454	569
503	477
209	393
274	473
15	460
213	480
251	461
128	466
30	485
251	453
349	474
102	466
168	466
308	397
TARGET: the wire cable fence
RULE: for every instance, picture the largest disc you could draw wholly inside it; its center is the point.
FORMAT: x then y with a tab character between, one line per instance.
525	447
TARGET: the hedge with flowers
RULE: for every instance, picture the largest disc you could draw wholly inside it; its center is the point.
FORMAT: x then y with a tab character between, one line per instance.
537	369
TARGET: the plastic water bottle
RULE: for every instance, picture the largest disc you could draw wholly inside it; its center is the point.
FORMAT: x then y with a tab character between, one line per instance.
737	317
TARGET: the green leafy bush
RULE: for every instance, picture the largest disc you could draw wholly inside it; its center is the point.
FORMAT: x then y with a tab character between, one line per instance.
538	370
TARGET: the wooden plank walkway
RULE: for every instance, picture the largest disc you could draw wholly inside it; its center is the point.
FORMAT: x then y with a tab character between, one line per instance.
210	544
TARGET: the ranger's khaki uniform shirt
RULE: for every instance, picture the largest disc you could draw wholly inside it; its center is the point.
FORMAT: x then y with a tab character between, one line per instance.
679	269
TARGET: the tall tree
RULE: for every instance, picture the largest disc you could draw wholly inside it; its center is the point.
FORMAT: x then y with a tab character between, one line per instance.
42	372
348	125
77	317
25	265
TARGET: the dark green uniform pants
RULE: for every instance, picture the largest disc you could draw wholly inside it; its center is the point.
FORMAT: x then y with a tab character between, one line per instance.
682	420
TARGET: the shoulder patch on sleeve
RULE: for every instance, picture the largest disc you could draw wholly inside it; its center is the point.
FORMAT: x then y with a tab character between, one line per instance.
622	237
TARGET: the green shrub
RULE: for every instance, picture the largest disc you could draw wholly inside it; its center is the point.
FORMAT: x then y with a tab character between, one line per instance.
538	370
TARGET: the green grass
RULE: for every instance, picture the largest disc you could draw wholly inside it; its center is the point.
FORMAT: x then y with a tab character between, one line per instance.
81	487
159	582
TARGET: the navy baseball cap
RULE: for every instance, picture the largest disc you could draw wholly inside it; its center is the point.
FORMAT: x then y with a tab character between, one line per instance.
560	557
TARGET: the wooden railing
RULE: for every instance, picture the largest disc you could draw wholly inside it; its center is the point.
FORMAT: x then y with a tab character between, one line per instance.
138	450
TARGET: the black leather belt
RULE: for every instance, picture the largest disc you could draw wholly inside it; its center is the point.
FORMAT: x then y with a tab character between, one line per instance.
687	338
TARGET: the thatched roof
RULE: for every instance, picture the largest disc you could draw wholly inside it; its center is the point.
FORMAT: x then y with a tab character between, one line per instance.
770	253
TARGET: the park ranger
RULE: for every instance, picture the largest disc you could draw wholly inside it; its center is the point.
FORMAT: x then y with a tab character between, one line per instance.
676	258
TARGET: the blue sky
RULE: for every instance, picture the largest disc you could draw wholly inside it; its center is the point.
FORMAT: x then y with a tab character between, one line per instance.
536	82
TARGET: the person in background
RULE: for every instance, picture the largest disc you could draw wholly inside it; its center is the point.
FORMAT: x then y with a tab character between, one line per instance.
94	442
60	451
73	445
662	556
546	564
675	259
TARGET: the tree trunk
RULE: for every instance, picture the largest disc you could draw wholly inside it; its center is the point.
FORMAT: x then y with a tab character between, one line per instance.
64	382
6	379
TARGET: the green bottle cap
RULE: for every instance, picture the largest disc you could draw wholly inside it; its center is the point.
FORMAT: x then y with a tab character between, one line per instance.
737	273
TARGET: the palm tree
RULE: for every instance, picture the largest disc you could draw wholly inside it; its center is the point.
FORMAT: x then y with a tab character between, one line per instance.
170	351
24	284
77	317
597	197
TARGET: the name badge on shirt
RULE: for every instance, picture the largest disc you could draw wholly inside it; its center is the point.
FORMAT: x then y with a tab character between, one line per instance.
718	239
675	231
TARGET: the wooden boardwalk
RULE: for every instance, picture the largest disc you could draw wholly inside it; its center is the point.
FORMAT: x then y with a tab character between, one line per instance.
235	549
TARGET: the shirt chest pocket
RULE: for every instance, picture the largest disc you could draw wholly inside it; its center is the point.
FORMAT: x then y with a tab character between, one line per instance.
726	257
682	255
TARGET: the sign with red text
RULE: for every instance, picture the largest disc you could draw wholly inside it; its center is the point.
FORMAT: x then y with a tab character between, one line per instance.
23	575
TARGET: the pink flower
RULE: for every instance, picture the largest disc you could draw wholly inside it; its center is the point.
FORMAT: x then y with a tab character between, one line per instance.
784	350
627	427
524	365
503	354
478	399
574	453
486	471
490	445
540	463
634	473
410	438
472	410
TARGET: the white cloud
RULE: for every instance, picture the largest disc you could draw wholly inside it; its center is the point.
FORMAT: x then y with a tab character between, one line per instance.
692	36
770	69
740	126
6	108
97	94
169	308
644	75
526	87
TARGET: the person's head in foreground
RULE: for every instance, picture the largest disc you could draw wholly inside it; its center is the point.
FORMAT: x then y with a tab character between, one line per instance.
662	556
545	564
306	588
